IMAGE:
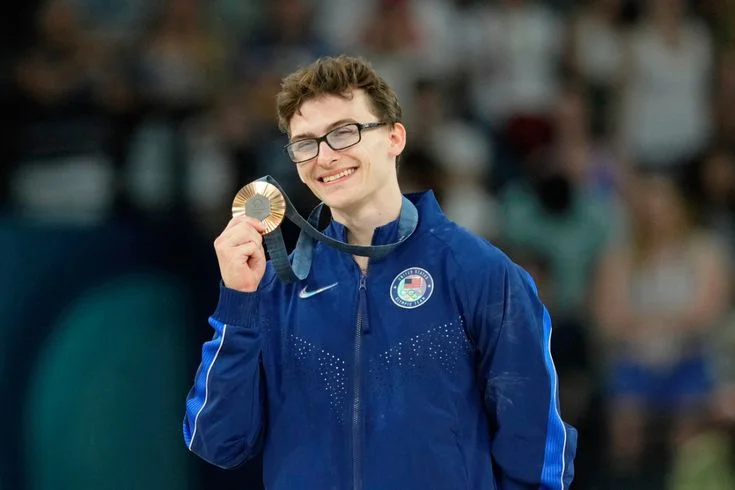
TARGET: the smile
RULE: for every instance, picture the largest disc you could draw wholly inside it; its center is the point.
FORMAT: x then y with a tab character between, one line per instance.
341	175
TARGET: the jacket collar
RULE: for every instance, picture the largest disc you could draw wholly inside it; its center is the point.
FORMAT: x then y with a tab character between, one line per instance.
429	213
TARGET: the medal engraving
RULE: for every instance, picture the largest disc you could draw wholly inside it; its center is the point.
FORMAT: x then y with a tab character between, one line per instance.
262	201
258	207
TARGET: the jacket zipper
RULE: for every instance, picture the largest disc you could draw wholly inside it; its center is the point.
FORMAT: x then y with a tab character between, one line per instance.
360	327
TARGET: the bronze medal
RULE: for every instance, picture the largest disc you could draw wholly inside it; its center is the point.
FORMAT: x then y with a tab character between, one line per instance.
262	201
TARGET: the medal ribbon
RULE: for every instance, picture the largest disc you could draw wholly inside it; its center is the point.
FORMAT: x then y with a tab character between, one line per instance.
309	235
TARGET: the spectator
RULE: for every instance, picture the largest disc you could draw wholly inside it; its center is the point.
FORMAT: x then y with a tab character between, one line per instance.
657	296
666	104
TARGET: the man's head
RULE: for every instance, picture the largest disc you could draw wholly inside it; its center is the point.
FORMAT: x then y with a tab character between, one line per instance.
346	98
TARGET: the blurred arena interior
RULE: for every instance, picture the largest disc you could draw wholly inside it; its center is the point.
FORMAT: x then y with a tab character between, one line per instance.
594	141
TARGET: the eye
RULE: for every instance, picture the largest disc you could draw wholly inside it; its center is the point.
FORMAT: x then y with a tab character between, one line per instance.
346	131
302	145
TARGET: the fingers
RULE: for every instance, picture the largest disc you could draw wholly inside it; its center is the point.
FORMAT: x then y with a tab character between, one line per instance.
255	223
242	229
242	234
247	250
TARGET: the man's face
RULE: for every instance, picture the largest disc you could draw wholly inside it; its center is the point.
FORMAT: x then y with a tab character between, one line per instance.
364	169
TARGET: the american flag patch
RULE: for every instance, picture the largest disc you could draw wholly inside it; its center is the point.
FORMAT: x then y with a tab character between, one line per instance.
413	282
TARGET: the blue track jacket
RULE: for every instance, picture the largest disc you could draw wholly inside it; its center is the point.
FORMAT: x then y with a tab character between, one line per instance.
432	371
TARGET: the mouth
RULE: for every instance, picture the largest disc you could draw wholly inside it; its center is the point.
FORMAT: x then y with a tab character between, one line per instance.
337	177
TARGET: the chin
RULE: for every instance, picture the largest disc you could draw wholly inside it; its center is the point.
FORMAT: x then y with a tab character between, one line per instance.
340	200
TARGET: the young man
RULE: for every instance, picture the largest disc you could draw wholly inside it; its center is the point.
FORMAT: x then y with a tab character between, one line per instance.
427	369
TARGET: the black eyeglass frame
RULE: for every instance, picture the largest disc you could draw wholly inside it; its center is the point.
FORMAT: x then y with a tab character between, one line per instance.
360	128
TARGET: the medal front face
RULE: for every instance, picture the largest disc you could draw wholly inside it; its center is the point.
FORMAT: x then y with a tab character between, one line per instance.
262	201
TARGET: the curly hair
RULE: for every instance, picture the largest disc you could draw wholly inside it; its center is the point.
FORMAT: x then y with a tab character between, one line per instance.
336	76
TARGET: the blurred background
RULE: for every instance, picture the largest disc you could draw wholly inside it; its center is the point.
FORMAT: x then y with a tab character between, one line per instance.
592	140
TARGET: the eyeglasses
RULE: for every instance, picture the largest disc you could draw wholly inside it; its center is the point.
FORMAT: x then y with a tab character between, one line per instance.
339	138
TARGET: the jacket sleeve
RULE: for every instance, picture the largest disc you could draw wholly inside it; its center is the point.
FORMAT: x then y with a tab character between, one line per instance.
532	447
223	423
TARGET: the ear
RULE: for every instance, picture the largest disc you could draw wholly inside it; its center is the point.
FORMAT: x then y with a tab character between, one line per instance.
397	138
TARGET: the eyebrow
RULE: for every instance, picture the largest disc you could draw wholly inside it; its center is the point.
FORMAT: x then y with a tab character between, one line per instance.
335	124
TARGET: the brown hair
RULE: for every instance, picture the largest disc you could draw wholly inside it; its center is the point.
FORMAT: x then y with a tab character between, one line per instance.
336	76
642	184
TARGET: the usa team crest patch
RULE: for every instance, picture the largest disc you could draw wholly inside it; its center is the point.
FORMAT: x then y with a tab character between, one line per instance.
411	288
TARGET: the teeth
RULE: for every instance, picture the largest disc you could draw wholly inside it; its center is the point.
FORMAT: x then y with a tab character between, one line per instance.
344	173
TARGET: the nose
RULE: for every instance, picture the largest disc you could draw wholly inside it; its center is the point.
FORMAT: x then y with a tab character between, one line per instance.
327	156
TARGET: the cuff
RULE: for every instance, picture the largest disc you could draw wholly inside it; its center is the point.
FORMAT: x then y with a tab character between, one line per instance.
236	308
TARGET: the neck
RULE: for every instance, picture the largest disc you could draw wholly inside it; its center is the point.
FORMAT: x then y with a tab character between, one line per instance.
662	239
362	219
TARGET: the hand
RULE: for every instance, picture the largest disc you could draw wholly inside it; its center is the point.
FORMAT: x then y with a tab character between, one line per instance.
240	254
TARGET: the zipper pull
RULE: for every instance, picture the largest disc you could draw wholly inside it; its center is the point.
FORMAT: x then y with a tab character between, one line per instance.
365	323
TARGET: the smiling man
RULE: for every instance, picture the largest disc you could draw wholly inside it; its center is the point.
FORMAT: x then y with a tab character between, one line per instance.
429	368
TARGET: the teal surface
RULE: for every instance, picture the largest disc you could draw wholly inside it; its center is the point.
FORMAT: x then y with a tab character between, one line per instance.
105	399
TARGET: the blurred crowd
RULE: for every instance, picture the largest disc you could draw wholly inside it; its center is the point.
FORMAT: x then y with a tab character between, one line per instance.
594	141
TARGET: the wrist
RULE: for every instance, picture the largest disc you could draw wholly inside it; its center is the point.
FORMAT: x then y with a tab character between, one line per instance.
236	307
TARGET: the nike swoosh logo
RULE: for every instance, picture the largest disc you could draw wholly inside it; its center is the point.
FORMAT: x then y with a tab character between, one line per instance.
303	294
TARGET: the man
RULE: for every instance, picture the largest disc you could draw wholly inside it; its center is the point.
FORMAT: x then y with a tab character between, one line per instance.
426	369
